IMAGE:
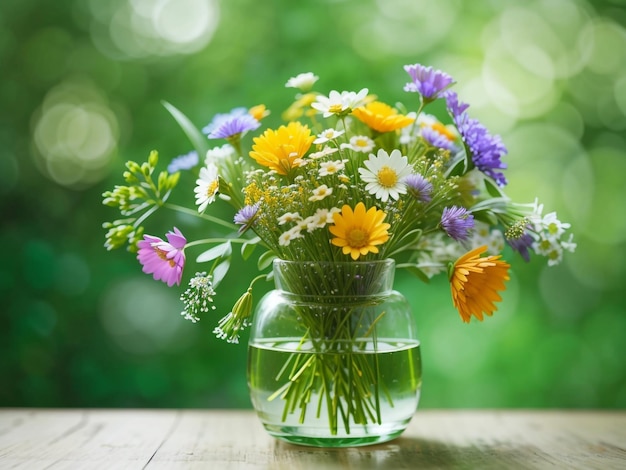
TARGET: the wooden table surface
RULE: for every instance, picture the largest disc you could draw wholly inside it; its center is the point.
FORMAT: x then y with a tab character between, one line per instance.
233	439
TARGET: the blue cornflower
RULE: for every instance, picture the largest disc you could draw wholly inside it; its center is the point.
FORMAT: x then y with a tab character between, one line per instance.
246	216
486	149
427	81
223	126
457	222
419	187
183	162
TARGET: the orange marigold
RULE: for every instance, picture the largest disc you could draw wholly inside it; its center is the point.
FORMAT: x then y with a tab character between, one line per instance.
381	117
475	282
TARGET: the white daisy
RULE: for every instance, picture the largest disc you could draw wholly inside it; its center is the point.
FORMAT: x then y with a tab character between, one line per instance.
385	173
289	217
207	186
324	152
326	135
359	143
339	103
285	238
302	81
551	226
332	167
216	154
320	193
322	217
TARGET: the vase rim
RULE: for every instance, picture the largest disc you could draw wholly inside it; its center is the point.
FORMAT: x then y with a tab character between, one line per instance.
384	261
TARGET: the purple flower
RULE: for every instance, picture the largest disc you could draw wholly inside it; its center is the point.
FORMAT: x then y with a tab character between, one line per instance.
427	81
183	162
246	216
165	260
419	187
455	107
522	244
227	125
457	222
435	139
486	150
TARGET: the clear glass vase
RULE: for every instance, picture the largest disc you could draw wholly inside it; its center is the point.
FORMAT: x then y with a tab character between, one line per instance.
334	358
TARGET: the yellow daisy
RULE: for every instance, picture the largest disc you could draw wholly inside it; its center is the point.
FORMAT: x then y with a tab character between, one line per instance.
358	232
282	150
258	112
381	117
475	282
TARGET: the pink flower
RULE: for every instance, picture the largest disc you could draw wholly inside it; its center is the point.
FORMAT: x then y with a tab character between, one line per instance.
165	260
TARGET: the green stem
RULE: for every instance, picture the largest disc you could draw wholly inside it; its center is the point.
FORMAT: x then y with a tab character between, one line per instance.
210	218
205	241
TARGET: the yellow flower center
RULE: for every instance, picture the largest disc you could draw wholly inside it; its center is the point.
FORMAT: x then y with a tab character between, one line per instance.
361	143
387	177
335	109
553	229
357	238
213	187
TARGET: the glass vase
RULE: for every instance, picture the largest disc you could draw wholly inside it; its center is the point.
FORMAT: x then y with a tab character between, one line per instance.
334	358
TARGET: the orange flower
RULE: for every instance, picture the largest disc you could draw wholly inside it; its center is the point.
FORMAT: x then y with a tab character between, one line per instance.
475	283
381	117
358	232
282	150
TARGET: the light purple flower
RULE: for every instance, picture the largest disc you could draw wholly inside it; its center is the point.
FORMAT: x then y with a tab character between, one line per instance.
427	81
486	149
223	126
165	260
435	139
457	222
183	162
419	187
246	216
455	107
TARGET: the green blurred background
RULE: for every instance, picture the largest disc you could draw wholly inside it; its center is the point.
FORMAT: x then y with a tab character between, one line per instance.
80	93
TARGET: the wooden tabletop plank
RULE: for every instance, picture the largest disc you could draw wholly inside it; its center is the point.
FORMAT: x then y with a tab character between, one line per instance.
224	440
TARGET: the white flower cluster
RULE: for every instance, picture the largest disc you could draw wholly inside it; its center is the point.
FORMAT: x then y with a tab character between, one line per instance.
550	235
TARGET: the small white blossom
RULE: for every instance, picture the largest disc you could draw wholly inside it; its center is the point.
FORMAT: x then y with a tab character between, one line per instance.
327	135
302	81
320	193
323	153
359	143
332	167
217	154
339	103
289	217
285	238
207	186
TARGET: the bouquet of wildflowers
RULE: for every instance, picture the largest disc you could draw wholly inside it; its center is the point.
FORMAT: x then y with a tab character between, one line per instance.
348	177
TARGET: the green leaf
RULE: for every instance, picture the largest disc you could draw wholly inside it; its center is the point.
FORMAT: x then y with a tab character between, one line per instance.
493	189
219	251
265	260
459	165
417	272
485	215
197	139
248	248
220	271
